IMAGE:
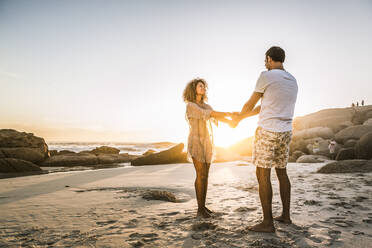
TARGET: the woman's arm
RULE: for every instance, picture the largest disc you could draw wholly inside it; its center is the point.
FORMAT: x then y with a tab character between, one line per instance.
222	115
223	119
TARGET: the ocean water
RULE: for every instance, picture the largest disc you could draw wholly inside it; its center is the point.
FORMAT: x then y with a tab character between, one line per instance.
131	148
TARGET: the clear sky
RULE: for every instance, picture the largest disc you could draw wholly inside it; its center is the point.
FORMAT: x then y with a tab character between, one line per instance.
115	70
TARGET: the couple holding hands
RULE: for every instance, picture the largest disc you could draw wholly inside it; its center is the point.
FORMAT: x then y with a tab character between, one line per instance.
277	90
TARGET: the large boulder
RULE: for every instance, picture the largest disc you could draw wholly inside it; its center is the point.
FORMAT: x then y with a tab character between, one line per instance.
33	155
170	156
312	159
295	155
113	158
363	148
25	146
329	117
298	145
359	116
368	122
64	152
337	127
82	159
323	118
13	165
323	132
105	150
369	114
347	166
346	154
354	132
350	143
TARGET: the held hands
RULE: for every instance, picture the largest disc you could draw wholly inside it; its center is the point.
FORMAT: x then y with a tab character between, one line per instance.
235	119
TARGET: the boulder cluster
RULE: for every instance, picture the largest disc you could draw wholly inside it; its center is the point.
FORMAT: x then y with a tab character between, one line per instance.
22	152
350	127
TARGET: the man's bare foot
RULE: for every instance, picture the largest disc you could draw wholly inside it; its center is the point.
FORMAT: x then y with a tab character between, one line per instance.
208	210
283	219
203	213
262	228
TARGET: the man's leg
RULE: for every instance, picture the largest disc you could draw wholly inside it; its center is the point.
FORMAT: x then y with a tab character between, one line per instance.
285	194
266	195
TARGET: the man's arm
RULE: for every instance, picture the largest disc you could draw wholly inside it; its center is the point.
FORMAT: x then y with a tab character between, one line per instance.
247	109
249	105
255	111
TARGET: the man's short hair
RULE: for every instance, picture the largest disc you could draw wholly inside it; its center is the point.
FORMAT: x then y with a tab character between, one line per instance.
276	53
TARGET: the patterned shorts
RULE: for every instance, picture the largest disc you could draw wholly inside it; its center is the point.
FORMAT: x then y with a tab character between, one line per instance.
271	149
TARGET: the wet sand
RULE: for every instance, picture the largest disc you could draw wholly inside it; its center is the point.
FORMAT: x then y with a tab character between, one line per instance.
105	208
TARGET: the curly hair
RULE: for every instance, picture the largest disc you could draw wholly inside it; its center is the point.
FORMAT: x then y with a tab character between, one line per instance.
189	93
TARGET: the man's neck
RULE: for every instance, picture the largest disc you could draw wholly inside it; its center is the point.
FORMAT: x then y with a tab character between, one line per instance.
278	67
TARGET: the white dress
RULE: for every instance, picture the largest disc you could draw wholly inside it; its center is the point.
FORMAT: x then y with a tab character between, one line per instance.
200	141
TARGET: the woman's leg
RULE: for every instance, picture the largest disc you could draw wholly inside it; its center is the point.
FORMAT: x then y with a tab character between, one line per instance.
200	187
206	167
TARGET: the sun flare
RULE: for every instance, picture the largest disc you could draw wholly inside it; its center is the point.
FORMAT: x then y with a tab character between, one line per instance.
224	136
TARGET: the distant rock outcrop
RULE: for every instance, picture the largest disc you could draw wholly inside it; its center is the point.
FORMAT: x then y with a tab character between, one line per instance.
315	132
13	165
170	156
363	148
312	159
19	151
346	154
347	166
353	132
73	159
22	145
105	150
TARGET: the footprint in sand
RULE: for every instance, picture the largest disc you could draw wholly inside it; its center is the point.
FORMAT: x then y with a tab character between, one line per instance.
145	237
131	223
104	223
245	209
203	226
169	214
313	203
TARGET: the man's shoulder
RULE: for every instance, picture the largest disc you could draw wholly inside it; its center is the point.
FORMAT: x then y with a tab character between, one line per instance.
279	74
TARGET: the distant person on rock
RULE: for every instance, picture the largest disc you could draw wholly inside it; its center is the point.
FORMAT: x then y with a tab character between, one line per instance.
277	90
316	147
332	148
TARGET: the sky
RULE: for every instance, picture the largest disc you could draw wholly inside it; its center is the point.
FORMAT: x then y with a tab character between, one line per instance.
115	70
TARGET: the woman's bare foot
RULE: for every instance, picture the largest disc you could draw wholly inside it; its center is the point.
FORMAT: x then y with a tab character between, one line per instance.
208	210
203	213
262	227
282	219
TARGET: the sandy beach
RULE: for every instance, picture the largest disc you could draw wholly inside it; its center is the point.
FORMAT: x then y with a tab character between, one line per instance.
105	208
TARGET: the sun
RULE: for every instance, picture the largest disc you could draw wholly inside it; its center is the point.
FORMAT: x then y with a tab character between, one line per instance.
224	136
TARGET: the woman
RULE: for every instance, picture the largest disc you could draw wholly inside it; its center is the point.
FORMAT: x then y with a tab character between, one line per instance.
200	141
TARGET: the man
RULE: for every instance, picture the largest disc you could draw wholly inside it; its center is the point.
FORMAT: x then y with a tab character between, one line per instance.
278	90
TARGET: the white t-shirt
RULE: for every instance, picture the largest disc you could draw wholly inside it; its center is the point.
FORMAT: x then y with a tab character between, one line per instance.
279	90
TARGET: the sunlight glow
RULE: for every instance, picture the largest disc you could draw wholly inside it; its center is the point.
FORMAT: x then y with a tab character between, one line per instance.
224	136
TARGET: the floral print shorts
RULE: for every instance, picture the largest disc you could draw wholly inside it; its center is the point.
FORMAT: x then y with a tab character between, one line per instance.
271	149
